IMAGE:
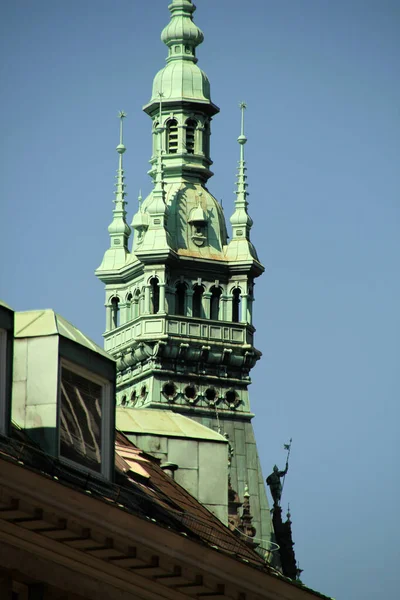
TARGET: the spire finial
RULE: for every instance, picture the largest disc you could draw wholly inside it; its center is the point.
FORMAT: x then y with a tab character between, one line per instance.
240	219
121	148
121	116
242	139
119	229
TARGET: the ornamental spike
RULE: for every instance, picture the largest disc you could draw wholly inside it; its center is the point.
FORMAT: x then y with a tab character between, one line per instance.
119	229
240	219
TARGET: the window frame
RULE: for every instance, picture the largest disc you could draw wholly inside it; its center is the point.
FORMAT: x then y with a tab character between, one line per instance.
107	432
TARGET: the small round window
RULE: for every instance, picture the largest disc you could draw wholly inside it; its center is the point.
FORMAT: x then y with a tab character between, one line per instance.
232	398
211	395
169	390
190	392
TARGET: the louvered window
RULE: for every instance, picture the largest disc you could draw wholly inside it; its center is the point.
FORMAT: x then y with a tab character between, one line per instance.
83	408
172	136
190	135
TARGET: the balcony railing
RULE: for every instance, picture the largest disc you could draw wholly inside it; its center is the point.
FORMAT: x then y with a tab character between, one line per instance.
150	327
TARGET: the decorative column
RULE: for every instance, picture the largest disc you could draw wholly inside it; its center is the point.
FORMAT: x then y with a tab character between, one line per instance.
181	137
223	304
109	322
170	295
146	299
199	140
206	301
123	312
243	318
189	303
135	307
161	308
228	307
250	310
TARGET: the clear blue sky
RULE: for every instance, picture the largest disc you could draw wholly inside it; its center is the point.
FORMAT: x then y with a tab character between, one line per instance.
321	80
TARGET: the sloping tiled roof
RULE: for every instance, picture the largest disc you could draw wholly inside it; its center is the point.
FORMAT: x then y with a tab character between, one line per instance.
162	489
141	487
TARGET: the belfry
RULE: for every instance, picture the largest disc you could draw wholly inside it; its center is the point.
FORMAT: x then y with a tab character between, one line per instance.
179	303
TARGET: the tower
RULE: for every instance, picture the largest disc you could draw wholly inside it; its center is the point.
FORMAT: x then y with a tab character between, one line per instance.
179	304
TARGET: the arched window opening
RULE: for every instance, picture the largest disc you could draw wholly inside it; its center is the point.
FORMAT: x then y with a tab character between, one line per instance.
214	302
197	301
154	296
190	135
129	307
134	398
180	297
115	312
236	305
172	136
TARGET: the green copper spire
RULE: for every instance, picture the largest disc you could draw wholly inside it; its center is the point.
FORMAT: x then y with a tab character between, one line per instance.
118	229
119	226
241	220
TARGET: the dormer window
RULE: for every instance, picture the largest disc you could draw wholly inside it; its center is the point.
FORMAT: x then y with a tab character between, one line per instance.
172	136
66	384
84	401
190	135
198	222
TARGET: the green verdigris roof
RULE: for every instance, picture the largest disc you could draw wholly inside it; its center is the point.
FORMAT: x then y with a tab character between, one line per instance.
181	80
40	323
163	422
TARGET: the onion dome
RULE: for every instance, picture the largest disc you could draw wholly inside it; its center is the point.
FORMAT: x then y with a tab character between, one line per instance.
181	31
181	79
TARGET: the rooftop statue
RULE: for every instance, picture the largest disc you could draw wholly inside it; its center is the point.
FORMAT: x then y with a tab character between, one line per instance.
274	480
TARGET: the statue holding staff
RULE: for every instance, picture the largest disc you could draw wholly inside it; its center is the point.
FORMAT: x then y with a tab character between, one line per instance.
274	480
